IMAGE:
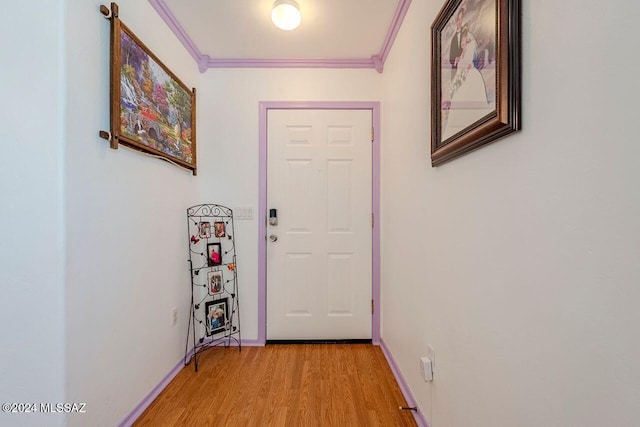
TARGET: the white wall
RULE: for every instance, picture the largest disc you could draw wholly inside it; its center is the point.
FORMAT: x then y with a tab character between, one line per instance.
229	118
519	263
31	261
126	229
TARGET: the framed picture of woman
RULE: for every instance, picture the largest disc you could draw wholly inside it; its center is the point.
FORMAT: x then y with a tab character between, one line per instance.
475	75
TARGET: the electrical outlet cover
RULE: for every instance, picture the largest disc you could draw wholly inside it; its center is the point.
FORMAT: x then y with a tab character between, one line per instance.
431	355
426	368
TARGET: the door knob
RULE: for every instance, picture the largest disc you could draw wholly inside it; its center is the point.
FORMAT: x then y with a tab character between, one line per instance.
273	237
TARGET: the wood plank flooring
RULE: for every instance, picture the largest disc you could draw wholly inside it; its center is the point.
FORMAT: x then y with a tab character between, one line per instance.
283	385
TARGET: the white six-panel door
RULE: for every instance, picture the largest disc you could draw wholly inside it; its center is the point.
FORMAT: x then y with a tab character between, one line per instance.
319	268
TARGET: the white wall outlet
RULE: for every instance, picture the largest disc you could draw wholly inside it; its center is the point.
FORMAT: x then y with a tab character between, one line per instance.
427	364
426	368
174	316
431	355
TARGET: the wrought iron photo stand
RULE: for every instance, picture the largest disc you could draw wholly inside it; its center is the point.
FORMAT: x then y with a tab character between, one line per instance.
215	310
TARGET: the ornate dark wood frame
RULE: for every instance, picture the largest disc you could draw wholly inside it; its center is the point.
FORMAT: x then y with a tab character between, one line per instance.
505	119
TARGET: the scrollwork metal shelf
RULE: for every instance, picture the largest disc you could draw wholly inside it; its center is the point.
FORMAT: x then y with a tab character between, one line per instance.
214	317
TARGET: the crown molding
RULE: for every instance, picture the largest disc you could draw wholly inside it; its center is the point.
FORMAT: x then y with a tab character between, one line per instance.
205	61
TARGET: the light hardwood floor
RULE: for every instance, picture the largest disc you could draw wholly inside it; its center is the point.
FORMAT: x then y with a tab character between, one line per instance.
283	385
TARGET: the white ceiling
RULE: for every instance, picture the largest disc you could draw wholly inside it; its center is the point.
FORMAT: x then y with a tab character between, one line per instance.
242	29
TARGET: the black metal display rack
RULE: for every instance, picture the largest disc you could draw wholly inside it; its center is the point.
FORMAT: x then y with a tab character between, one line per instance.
214	317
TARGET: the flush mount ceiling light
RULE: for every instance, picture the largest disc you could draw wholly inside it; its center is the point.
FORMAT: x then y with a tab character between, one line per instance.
286	14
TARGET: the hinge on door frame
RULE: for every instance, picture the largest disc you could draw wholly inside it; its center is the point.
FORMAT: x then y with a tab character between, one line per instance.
372	134
372	220
372	306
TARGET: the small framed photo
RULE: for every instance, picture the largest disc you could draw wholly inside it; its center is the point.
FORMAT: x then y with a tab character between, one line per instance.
219	229
215	282
205	229
217	316
214	254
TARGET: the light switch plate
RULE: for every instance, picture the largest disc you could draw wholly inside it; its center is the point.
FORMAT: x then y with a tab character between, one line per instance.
243	212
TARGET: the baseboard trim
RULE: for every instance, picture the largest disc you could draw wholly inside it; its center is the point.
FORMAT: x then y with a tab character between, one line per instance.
346	341
249	343
151	396
404	387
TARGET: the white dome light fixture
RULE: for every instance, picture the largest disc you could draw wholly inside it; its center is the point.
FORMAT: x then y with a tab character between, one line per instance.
286	14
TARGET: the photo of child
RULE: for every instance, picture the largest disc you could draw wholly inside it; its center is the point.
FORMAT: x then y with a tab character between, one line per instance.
219	229
215	282
205	230
214	254
217	320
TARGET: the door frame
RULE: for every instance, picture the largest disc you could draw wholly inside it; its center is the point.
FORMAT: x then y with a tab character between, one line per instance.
264	107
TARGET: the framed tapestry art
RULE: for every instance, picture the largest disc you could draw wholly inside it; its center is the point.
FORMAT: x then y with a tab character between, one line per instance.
151	109
475	75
